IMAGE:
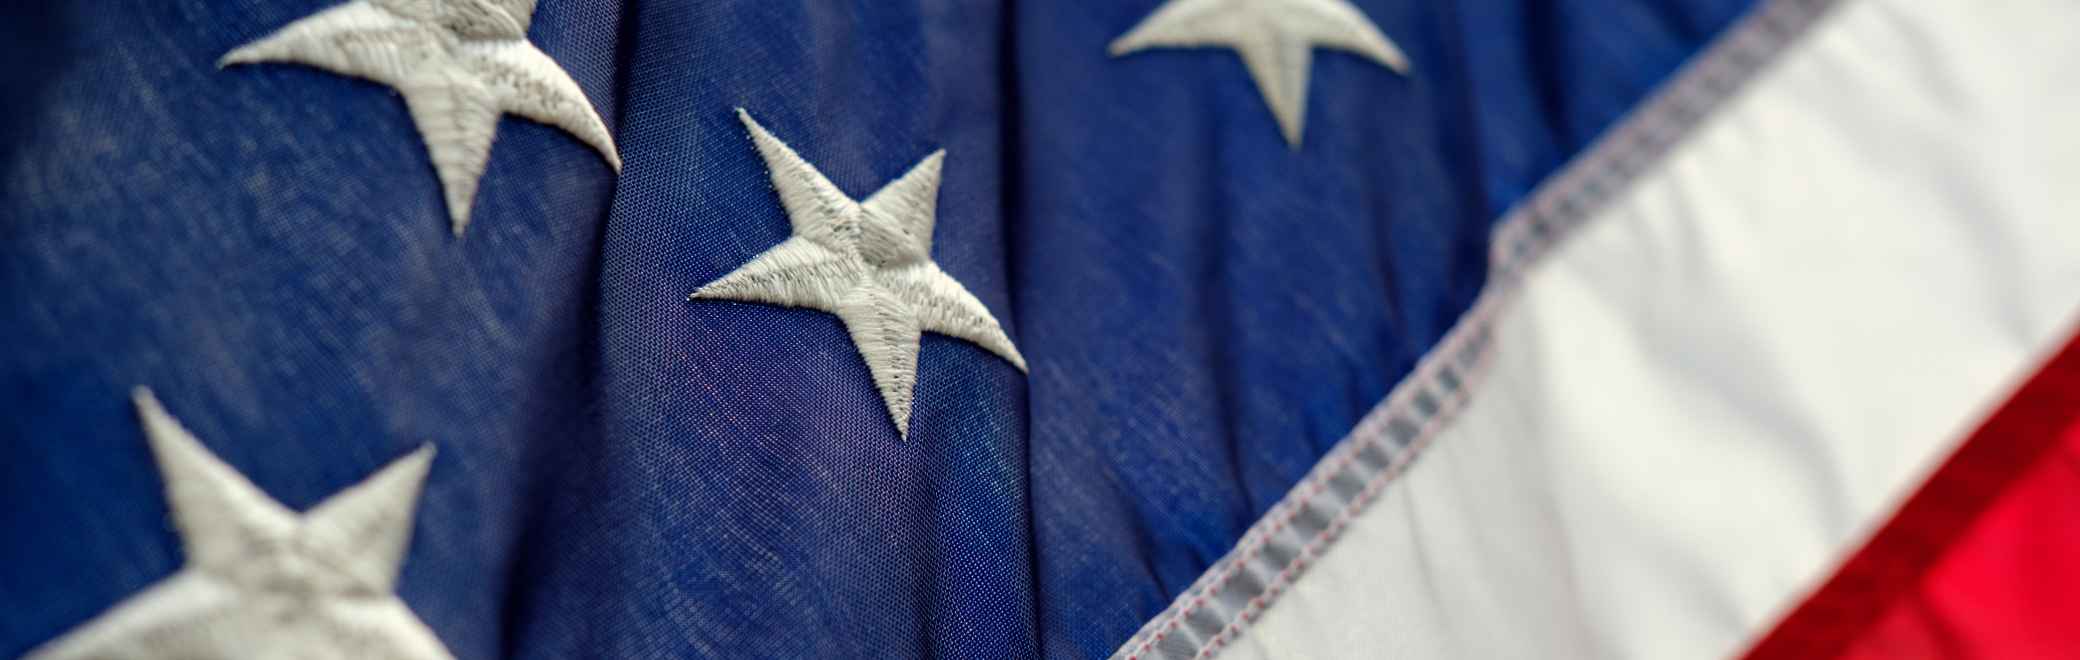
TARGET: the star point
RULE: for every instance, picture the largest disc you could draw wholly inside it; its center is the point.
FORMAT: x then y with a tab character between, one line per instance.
868	262
260	580
459	64
1274	38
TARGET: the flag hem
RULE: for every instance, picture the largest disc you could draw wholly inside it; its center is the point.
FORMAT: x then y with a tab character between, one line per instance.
1280	545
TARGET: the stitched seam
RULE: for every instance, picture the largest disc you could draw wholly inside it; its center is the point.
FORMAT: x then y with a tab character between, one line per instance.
1372	488
1292	506
1528	233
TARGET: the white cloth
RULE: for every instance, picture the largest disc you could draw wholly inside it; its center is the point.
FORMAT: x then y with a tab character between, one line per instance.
1714	390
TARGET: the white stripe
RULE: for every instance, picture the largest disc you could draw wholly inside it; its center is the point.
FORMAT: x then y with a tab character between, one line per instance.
1280	545
1713	391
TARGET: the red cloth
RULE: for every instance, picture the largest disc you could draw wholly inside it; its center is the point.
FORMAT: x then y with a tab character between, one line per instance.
2009	588
1982	562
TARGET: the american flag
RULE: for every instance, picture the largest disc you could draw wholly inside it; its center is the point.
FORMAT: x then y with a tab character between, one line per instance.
1066	329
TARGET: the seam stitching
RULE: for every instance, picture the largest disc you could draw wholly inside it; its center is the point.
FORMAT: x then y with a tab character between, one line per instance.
1527	233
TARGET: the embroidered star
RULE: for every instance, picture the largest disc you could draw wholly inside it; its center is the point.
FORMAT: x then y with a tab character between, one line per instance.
460	64
262	581
1275	38
870	263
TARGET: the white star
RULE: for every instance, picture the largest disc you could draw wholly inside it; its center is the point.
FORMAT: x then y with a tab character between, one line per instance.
262	581
1275	38
868	262
459	64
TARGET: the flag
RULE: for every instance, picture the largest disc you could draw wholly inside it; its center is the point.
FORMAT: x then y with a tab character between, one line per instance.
1090	328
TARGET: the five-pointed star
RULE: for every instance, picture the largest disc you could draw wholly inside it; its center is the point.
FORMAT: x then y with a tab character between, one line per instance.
1275	38
459	64
262	581
868	262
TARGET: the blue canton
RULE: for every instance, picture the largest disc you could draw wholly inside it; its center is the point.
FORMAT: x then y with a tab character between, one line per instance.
1204	308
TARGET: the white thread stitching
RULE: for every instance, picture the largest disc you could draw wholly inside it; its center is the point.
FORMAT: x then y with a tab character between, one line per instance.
867	262
1274	38
459	64
260	580
1529	232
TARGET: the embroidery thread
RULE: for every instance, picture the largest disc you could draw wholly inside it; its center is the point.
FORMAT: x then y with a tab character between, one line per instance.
1276	40
460	65
263	581
870	263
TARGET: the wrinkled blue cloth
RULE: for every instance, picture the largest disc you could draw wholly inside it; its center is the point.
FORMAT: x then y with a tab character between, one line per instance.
622	472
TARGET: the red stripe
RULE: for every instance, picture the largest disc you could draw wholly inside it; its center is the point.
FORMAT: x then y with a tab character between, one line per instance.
1919	588
2010	588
